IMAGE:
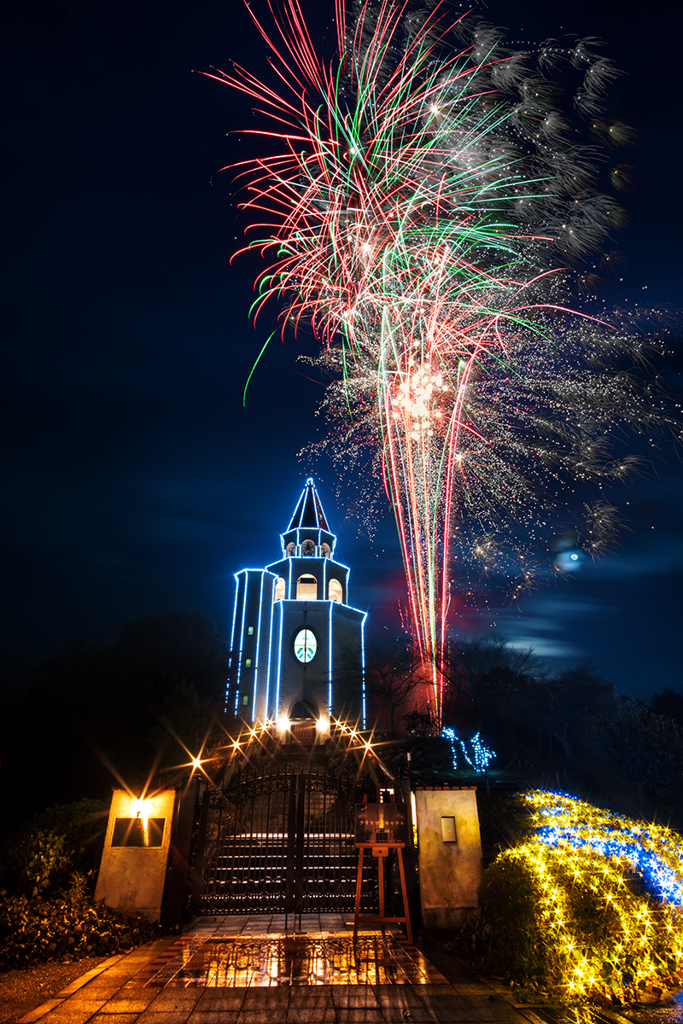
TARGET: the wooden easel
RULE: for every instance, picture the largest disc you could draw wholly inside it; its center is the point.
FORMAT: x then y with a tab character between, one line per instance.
381	850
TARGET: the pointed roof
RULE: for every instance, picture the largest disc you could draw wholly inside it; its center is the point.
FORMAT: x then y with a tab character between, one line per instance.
309	511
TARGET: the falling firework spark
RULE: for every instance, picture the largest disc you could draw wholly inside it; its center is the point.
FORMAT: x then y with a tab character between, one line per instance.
419	211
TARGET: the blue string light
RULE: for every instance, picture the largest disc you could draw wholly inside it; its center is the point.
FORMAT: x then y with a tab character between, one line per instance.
479	755
619	838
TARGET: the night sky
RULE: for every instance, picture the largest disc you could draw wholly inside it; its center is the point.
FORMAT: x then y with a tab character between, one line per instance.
134	480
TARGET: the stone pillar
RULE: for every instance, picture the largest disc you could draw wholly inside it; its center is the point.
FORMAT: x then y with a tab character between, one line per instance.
449	846
133	868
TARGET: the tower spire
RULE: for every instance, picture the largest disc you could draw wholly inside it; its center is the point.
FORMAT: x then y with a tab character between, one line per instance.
309	511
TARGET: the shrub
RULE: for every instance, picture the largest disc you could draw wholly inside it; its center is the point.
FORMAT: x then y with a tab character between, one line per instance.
66	927
589	905
510	935
41	855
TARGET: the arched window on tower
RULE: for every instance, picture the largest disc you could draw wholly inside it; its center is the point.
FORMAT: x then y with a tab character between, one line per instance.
308	548
279	589
290	549
335	592
307	588
326	550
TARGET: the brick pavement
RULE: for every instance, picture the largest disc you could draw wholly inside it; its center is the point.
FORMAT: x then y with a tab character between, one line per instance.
260	970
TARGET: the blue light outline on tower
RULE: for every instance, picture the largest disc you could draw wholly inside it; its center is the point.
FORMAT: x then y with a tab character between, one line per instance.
271	686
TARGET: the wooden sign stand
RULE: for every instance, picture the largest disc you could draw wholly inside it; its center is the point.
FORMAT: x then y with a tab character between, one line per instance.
381	850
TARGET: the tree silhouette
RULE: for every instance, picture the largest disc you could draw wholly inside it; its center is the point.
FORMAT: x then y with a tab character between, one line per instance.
104	713
393	675
643	748
669	703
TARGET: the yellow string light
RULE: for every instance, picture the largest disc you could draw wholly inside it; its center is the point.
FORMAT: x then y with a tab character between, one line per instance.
609	901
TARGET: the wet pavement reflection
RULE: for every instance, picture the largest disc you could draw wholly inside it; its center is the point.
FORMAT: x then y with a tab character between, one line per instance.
657	1014
258	970
288	959
601	1015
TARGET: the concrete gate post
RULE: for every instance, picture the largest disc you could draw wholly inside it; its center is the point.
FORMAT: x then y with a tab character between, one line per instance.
136	848
449	847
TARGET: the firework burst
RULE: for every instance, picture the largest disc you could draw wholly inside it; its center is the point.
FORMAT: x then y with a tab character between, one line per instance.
423	201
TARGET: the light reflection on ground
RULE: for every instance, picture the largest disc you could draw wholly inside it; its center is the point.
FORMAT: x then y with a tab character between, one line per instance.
672	1014
374	959
656	1014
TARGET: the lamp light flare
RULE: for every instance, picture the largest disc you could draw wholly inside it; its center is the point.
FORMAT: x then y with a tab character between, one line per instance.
140	807
418	210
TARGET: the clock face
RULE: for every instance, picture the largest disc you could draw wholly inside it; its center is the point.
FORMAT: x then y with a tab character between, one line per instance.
305	645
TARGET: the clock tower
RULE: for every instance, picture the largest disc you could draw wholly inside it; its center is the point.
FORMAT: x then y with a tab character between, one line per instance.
297	644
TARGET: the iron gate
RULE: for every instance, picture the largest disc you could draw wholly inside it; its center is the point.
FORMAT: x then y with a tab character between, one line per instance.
281	841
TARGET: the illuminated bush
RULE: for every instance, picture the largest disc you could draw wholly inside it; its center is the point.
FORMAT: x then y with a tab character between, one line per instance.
590	905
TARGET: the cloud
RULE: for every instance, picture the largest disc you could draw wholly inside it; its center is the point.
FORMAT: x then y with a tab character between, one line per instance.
661	556
543	625
546	648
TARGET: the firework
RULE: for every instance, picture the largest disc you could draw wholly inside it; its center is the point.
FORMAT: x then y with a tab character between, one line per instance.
423	201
